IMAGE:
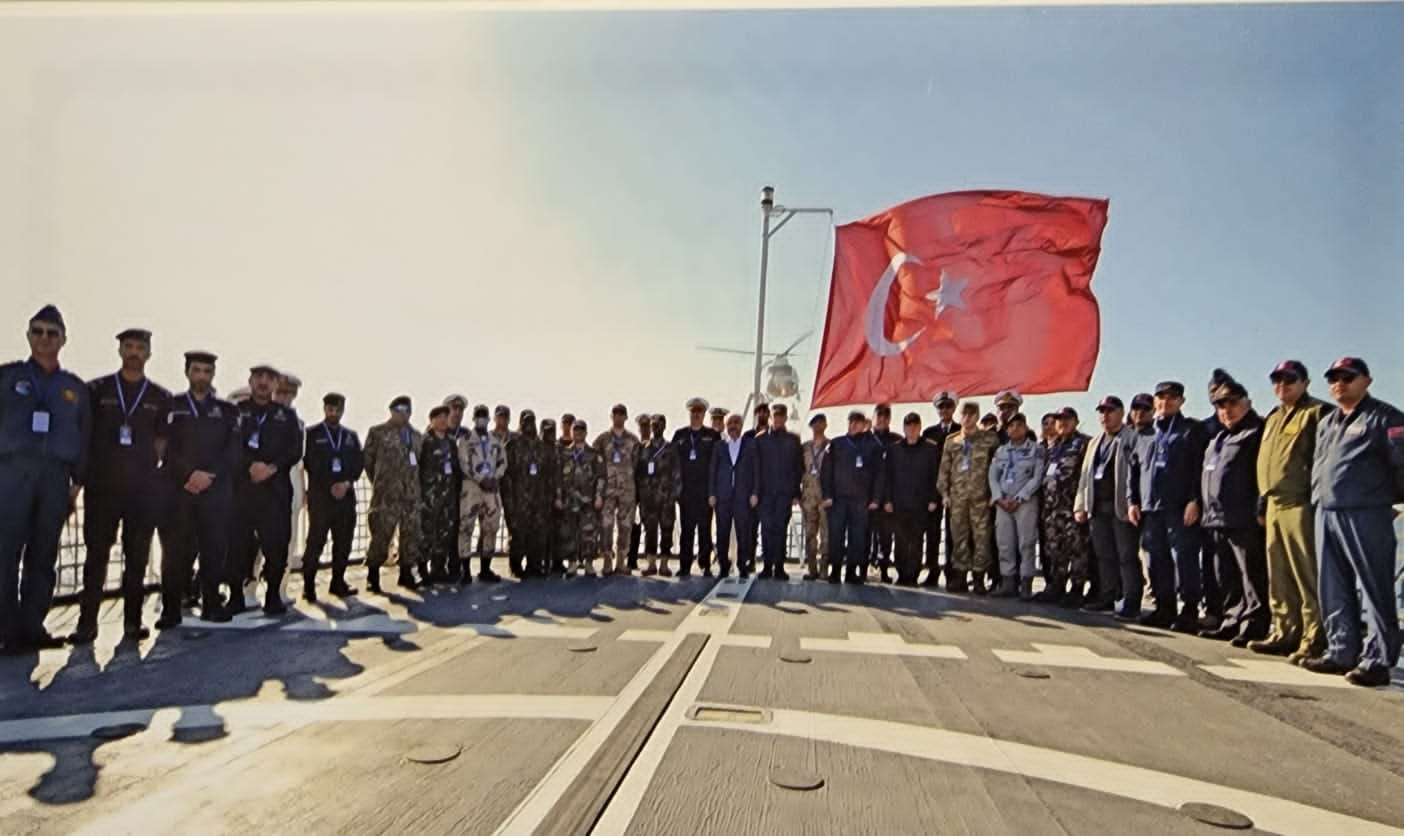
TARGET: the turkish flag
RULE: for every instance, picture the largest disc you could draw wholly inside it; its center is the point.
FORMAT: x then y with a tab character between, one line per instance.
974	292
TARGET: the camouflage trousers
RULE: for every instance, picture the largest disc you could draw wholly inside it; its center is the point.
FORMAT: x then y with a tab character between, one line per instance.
616	520
816	535
970	535
438	515
579	532
1065	547
483	509
383	520
657	517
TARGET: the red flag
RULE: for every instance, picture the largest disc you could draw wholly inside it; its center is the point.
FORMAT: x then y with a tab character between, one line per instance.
970	291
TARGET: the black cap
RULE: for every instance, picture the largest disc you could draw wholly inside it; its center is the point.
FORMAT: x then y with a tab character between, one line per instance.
263	368
761	407
1142	400
1066	412
579	425
402	402
548	423
334	399
1226	390
817	418
527	413
1218	378
501	409
480	411
1353	365
857	415
911	418
1172	387
882	409
437	411
1287	367
643	418
1109	403
780	409
51	315
138	334
200	357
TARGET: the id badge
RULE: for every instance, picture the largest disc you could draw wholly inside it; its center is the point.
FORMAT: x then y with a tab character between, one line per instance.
692	455
531	470
813	471
253	441
964	464
1009	476
124	435
448	467
414	461
1052	471
39	423
859	464
617	460
1099	472
1211	463
336	465
650	468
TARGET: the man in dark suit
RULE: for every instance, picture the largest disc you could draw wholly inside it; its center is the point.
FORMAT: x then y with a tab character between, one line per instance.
781	469
732	492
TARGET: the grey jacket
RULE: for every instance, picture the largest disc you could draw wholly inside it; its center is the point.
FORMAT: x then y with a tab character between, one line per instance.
1125	442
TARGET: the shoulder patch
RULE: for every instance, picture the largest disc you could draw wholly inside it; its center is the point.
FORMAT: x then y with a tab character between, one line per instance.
1396	433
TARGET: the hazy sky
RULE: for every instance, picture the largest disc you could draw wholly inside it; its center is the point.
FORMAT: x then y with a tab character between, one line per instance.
554	210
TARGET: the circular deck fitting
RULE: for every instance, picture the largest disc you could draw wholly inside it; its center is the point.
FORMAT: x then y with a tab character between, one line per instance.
433	753
583	648
796	779
1033	673
118	731
796	658
1212	814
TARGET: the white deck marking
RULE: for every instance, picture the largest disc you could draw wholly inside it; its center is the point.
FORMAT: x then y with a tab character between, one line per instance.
538	803
754	640
881	644
1274	815
1072	656
1274	673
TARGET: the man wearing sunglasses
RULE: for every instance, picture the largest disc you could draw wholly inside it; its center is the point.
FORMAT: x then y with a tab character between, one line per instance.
1356	477
1285	511
45	428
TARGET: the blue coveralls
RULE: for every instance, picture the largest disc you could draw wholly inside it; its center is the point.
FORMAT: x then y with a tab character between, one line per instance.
1356	477
45	426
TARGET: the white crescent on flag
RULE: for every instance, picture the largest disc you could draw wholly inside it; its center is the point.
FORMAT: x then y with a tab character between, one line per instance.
877	309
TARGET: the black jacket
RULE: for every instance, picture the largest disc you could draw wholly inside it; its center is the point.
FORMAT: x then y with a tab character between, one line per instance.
1166	465
202	436
326	446
841	477
695	459
270	434
781	466
125	459
1230	475
911	471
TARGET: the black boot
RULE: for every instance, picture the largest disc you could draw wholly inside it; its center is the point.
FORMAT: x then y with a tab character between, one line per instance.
340	588
87	630
273	597
373	580
1026	592
309	588
977	586
170	612
407	579
1052	593
485	572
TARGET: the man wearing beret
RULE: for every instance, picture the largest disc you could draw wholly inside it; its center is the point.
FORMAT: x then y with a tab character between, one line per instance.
130	418
45	433
660	481
580	496
1356	478
272	443
694	444
203	460
458	407
502	431
645	425
392	463
333	464
1164	499
1286	512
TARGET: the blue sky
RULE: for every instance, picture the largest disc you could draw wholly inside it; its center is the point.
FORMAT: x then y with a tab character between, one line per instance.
554	209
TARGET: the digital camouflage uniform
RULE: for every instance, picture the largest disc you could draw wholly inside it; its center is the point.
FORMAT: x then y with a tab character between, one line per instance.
504	489
659	481
964	480
620	456
816	519
531	480
582	481
1065	540
438	491
483	462
394	500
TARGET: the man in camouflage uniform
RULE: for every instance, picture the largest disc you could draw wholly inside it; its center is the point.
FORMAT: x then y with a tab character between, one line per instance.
553	514
502	431
660	484
965	489
816	519
668	521
483	460
619	450
580	497
392	463
438	491
645	423
1065	539
531	475
458	407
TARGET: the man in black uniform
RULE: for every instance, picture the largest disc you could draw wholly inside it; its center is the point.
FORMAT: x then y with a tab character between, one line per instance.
554	565
780	467
694	444
852	485
945	403
201	465
645	422
881	521
129	425
911	469
272	444
333	464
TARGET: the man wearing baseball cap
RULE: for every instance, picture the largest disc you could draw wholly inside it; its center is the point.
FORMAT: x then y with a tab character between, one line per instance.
1102	492
1357	476
1286	512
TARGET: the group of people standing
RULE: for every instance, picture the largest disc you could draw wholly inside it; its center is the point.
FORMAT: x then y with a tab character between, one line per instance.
1254	530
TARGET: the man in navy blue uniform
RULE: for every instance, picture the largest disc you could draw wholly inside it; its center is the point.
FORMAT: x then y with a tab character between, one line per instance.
334	462
781	470
851	481
202	461
45	427
1165	501
734	480
694	444
1356	476
123	486
272	444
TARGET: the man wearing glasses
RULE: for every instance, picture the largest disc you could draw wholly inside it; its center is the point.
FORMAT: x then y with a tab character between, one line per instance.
45	428
1356	477
1285	511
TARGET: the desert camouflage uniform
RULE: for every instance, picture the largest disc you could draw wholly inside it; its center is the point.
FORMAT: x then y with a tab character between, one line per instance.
659	485
582	481
483	462
395	496
620	456
1065	540
816	519
531	480
965	481
438	490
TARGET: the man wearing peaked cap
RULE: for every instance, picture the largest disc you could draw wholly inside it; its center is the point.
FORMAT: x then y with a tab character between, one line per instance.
392	462
939	520
136	335
285	393
334	462
1289	518
694	444
813	514
1357	476
718	419
1007	403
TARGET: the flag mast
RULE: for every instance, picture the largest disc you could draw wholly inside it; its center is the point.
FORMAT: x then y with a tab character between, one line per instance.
770	209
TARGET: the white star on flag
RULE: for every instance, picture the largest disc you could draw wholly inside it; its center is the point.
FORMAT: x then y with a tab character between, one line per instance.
948	293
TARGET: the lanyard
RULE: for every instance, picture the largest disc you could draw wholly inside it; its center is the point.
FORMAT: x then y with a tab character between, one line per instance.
407	439
1162	437
261	419
122	398
484	444
340	437
193	409
659	452
575	454
42	392
1219	442
692	435
1103	452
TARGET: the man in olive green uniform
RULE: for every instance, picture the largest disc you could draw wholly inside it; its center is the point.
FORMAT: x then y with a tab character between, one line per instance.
619	450
1284	508
659	482
965	489
392	463
816	519
531	478
579	496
